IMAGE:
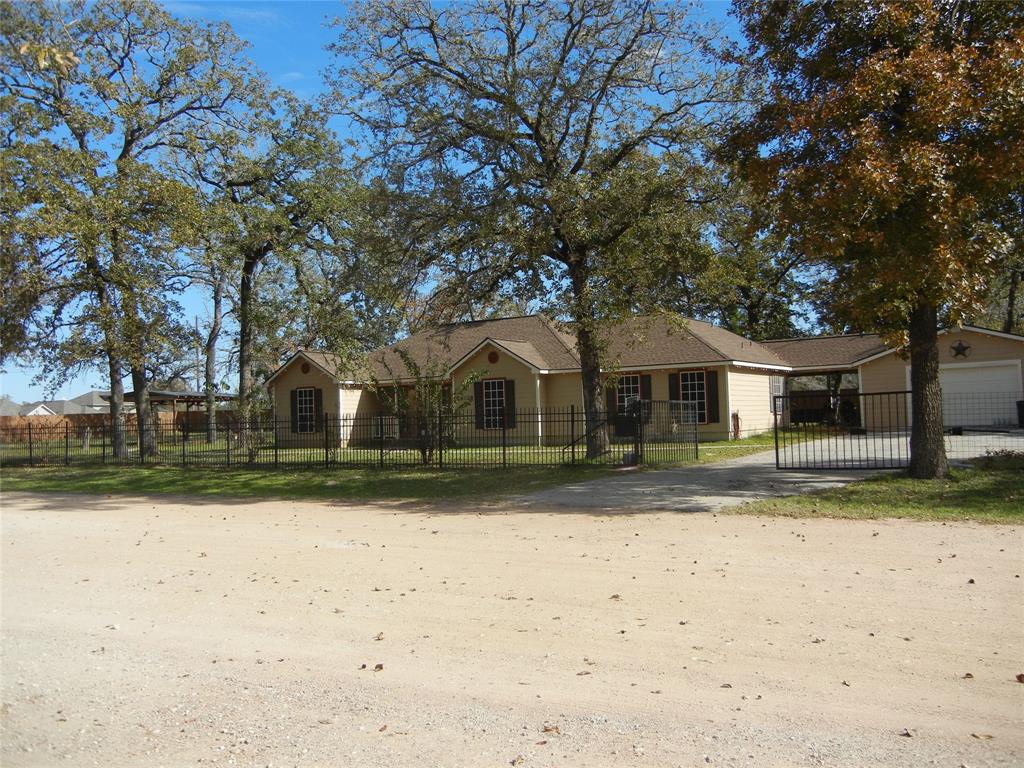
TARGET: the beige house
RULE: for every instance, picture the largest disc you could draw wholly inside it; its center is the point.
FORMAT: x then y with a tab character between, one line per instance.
980	371
526	378
528	366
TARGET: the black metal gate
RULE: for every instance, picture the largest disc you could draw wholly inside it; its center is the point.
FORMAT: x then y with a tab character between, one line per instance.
872	430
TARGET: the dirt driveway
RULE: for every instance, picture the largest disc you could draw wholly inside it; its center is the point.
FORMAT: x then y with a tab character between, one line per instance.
149	633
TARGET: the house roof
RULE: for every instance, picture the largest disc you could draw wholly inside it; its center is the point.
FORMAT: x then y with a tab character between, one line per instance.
10	408
827	352
544	346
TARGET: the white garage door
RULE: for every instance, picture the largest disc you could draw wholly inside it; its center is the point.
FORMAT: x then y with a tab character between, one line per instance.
980	396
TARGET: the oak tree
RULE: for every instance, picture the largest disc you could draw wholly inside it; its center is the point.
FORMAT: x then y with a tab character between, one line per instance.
888	130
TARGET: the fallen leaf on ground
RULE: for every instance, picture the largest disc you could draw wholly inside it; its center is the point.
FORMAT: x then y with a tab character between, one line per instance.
378	667
581	674
968	676
906	732
983	736
550	729
382	728
379	636
1020	677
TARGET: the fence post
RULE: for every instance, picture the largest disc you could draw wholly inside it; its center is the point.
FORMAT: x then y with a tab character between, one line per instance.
229	436
327	450
67	443
184	439
440	437
273	423
103	443
504	442
775	429
572	430
380	431
31	458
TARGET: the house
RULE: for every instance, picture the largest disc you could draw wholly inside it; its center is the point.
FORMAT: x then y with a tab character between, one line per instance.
9	408
980	371
529	365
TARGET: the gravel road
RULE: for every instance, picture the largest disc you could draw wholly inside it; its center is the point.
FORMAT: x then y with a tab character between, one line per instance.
141	632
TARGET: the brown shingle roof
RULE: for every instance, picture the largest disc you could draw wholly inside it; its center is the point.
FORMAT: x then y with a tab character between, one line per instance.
827	352
645	341
634	342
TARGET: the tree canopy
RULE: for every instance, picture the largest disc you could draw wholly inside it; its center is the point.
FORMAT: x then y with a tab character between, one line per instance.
889	134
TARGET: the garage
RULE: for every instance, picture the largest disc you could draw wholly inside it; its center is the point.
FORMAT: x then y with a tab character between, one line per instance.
980	394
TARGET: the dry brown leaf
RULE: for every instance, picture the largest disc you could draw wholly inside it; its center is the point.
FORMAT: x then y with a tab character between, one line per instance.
983	736
380	636
382	728
968	676
1020	677
550	729
378	667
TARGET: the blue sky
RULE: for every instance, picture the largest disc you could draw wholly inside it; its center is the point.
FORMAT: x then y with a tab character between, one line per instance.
287	39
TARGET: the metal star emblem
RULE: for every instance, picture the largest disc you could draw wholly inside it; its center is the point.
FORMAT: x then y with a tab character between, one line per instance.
960	349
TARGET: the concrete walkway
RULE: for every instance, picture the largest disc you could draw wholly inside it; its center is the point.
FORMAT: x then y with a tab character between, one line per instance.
700	488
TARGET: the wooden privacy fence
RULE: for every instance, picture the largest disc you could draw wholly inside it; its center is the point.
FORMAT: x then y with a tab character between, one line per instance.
658	432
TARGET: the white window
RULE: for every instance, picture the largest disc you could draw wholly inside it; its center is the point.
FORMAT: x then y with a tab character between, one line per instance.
693	393
777	387
305	410
627	392
494	403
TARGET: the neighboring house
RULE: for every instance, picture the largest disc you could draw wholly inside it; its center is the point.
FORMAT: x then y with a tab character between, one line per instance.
9	408
38	408
94	401
980	371
526	364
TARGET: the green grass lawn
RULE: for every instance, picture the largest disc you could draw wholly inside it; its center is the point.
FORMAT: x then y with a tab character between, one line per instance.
991	491
321	484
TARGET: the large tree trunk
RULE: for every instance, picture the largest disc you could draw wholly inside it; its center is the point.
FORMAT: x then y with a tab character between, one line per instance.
247	333
210	373
588	346
927	447
118	444
143	413
1009	322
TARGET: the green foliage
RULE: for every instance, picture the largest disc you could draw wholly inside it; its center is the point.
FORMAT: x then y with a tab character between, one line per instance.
889	134
544	144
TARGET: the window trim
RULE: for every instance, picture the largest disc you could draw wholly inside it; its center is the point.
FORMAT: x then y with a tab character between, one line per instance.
772	395
299	422
704	387
619	409
501	421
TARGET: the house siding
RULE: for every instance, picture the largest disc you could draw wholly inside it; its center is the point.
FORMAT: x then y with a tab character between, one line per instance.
889	373
507	367
293	378
750	395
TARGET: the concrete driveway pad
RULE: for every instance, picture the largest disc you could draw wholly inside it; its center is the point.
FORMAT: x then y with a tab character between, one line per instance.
699	488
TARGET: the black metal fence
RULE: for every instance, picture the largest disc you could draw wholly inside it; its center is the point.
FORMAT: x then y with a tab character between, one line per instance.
650	432
872	430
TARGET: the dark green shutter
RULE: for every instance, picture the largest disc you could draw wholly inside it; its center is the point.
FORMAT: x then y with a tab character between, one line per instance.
478	403
295	409
673	387
510	403
612	406
711	388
